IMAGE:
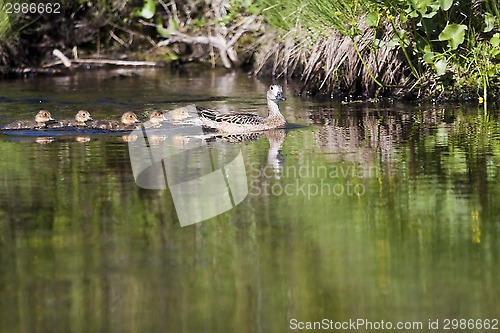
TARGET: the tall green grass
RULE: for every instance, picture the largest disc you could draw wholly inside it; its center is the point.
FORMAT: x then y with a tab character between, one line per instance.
367	47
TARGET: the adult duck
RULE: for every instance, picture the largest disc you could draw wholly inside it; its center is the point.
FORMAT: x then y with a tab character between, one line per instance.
246	122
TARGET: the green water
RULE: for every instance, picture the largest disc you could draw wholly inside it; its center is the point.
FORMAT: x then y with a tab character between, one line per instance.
384	213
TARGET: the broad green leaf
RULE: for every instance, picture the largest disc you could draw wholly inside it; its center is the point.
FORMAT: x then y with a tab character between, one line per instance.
429	15
429	58
173	56
372	19
394	42
495	40
379	43
401	36
147	11
454	34
172	26
162	31
489	21
445	4
421	5
440	66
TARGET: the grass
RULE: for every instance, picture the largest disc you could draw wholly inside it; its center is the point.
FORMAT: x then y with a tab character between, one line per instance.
343	48
372	47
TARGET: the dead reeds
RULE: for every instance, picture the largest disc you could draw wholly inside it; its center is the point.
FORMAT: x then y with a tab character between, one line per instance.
335	62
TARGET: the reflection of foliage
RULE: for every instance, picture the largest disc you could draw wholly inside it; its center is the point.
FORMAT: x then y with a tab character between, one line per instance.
80	235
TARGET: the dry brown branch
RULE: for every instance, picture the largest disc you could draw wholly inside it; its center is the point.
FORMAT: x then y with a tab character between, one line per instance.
219	36
61	56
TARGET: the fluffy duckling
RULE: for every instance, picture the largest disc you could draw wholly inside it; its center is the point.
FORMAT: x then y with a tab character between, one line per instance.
246	122
42	118
128	122
155	119
180	114
186	115
80	120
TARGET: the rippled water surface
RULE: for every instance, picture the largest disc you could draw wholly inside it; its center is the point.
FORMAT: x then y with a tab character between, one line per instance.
378	212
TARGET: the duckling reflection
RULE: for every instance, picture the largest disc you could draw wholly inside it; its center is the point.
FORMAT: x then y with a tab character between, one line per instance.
129	137
42	118
81	119
82	139
43	140
128	122
180	142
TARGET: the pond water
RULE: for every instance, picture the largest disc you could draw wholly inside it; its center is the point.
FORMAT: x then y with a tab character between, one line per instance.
365	212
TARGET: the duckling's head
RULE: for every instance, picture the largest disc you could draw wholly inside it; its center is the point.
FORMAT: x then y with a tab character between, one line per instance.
179	114
156	117
275	93
83	116
129	118
43	116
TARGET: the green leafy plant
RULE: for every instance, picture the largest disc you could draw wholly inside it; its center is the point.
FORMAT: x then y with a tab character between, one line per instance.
147	10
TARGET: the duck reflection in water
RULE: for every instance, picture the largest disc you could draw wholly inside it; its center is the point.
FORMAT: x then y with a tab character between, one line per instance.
205	171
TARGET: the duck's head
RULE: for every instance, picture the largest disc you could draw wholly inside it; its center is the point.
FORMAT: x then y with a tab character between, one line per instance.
275	93
43	116
129	118
156	117
83	116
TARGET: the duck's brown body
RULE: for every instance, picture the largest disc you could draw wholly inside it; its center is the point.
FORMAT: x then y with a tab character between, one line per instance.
246	122
81	119
42	118
128	122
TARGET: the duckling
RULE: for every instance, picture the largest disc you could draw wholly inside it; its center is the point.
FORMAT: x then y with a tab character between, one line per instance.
186	115
80	120
127	122
245	122
180	114
155	119
42	118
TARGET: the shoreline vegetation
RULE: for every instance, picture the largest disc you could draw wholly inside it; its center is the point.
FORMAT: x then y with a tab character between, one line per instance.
345	49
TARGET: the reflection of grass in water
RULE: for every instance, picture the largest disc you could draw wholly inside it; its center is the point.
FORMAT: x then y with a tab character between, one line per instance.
107	247
70	183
